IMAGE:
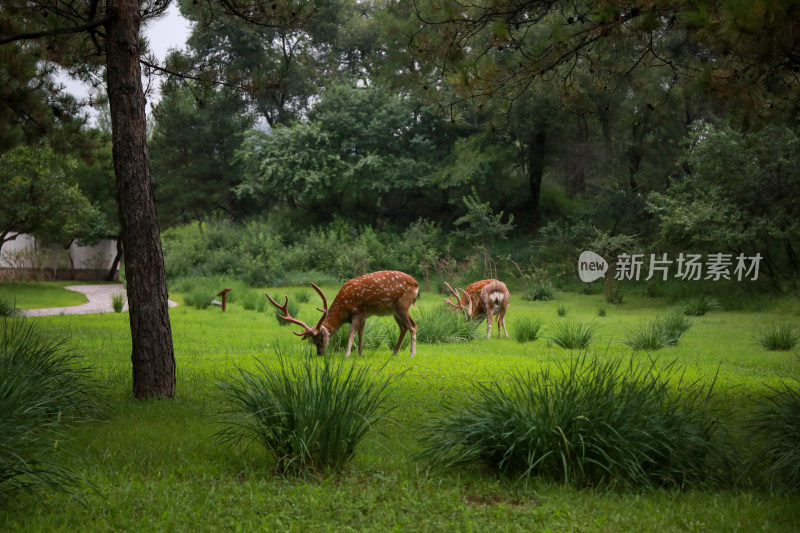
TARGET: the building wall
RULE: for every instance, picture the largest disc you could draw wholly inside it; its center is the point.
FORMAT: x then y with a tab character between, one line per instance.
27	258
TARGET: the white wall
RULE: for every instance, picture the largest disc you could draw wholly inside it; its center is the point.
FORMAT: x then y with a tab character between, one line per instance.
98	257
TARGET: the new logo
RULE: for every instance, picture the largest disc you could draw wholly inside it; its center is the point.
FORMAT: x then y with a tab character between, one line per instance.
591	266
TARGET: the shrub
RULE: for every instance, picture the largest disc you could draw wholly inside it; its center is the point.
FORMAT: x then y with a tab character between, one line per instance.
658	333
561	311
588	423
544	293
526	329
253	300
43	389
437	325
777	337
309	415
777	425
699	305
573	335
118	301
601	312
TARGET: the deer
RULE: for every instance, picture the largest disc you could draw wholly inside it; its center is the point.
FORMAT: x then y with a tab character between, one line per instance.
488	296
387	292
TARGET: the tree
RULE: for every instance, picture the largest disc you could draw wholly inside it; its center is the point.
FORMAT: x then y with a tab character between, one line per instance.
482	227
363	151
192	148
739	194
37	198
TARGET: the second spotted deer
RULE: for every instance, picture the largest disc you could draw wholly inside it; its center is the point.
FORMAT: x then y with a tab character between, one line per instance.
489	297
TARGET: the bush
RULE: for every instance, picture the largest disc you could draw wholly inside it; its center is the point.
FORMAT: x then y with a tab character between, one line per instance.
43	390
573	335
561	311
658	333
309	415
544	293
778	427
437	325
588	423
699	305
526	329
777	337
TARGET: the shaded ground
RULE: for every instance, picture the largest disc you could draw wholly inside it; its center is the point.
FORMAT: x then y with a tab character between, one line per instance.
99	297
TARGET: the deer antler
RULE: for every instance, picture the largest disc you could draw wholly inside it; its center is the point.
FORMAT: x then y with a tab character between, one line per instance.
287	317
459	303
324	305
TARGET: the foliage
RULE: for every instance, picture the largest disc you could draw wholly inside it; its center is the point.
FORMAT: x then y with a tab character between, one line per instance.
363	151
754	211
44	389
526	329
309	415
192	154
588	423
777	337
266	254
777	424
572	334
37	197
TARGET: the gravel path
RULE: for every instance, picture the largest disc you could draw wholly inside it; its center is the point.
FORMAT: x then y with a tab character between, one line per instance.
99	297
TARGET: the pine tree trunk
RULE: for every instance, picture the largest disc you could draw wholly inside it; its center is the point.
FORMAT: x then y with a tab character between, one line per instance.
153	356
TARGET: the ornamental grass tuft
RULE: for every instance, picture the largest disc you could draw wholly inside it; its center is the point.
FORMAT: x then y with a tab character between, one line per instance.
781	337
44	389
437	325
526	329
777	426
586	423
308	414
658	333
572	334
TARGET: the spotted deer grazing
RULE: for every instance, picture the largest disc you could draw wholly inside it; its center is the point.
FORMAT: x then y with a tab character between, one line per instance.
387	292
488	296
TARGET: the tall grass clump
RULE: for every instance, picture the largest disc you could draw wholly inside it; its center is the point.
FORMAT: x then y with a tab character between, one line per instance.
44	388
376	334
700	305
572	334
8	308
252	300
291	305
777	337
309	415
118	300
587	423
777	426
658	333
437	325
526	329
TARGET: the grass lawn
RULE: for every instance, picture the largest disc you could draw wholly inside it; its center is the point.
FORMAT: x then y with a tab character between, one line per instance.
153	465
40	294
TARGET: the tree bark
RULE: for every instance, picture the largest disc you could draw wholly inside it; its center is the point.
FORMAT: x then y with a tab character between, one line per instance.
153	355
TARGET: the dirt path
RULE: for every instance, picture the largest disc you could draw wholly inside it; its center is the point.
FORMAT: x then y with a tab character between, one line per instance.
99	297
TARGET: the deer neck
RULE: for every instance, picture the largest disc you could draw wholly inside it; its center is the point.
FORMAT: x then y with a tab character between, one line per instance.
337	315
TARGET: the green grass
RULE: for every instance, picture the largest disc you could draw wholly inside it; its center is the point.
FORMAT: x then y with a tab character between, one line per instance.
777	337
41	294
155	465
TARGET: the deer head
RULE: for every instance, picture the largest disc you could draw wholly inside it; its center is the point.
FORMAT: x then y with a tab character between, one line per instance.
319	334
456	303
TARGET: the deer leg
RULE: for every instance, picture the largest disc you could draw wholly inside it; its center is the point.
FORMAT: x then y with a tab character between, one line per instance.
361	337
403	330
489	311
355	325
502	321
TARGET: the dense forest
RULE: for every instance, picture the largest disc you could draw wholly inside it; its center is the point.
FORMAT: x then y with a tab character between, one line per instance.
441	138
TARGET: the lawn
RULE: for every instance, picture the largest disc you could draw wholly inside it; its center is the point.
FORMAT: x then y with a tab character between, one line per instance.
40	294
154	465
